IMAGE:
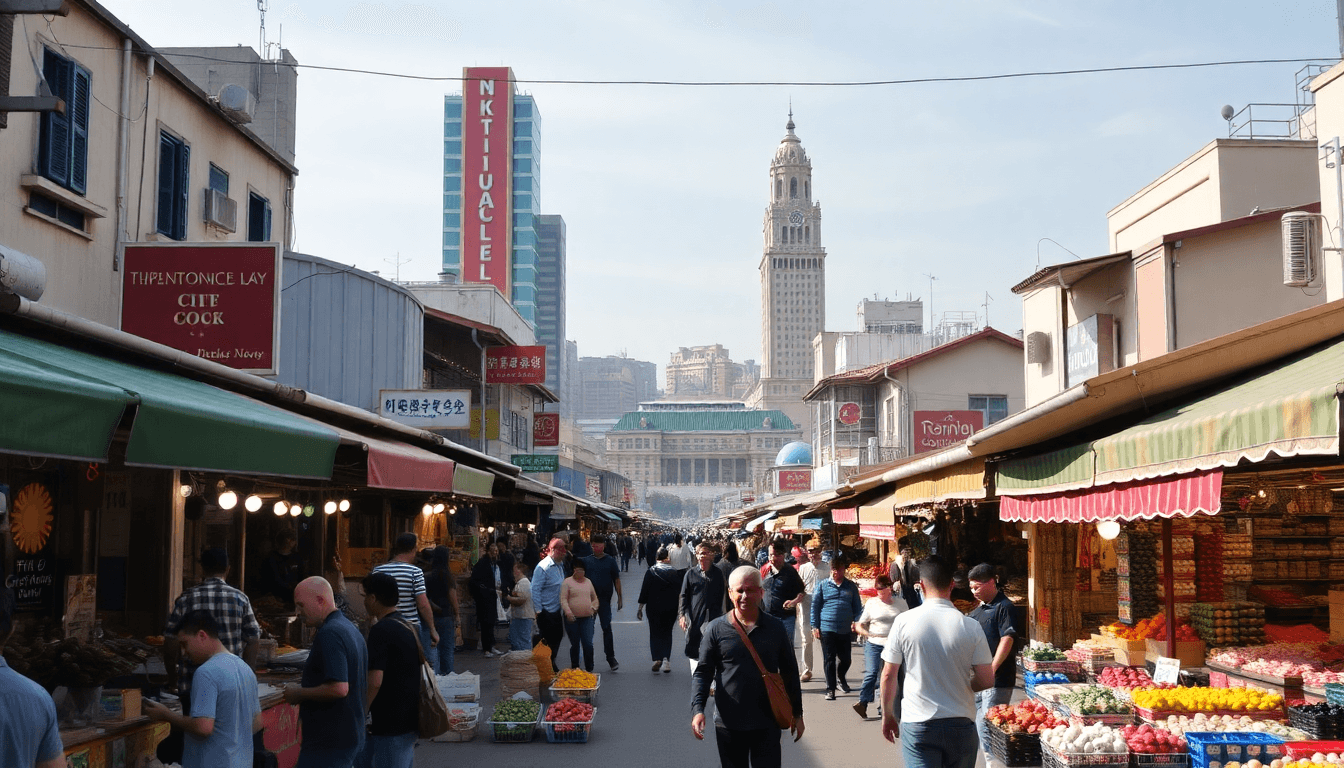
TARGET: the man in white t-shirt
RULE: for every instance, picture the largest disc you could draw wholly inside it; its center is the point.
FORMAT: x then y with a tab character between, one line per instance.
812	572
946	661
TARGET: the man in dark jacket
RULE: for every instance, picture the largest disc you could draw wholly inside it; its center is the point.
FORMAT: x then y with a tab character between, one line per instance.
701	602
486	590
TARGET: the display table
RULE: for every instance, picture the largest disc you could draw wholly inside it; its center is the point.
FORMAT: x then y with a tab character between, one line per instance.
1288	687
280	721
112	743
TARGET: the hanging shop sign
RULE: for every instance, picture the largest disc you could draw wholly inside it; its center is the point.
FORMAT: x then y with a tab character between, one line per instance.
593	486
515	365
33	576
491	424
1089	349
939	429
427	408
219	301
487	176
536	462
809	524
794	480
545	430
849	414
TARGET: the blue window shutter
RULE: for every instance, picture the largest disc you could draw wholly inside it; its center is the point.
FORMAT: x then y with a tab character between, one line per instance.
54	153
167	173
79	129
266	236
183	198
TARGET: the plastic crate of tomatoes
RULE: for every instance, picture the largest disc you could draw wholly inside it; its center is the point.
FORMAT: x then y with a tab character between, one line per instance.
568	721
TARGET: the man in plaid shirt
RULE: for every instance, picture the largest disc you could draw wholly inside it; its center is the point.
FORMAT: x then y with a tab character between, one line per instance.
238	628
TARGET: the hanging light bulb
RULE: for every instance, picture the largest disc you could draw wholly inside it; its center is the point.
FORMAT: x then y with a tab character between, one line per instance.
491	529
281	508
228	500
308	510
1108	529
438	508
295	510
452	510
184	490
329	508
344	506
252	503
427	510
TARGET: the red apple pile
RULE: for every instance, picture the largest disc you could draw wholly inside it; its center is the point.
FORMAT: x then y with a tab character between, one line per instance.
1023	717
1128	678
1147	740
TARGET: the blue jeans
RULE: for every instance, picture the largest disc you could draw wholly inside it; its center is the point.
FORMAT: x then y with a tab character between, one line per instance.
872	670
447	639
984	701
431	653
580	633
387	751
311	757
790	623
949	742
520	634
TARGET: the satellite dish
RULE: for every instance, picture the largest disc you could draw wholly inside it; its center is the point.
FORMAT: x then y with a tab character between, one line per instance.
1228	112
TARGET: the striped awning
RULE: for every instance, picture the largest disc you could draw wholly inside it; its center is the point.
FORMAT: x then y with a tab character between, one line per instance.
848	516
1183	496
962	481
1067	469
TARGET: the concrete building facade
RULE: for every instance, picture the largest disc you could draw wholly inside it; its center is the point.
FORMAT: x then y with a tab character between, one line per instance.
612	386
551	296
707	372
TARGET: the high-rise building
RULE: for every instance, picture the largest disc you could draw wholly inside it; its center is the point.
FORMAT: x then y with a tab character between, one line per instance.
491	135
551	296
793	282
707	372
612	386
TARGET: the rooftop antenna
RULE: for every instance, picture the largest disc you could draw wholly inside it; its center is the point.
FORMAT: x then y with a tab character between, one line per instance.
262	7
396	262
931	279
988	299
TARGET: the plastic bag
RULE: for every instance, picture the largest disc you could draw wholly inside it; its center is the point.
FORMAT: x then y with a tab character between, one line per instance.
541	656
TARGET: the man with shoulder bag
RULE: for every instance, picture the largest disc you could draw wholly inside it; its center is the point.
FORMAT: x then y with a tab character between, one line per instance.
748	657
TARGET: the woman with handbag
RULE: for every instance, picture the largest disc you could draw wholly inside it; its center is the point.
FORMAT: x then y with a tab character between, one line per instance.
757	693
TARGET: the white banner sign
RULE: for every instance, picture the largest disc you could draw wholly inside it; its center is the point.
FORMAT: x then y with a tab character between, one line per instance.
427	408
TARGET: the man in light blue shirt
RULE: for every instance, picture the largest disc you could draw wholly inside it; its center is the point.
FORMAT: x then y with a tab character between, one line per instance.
29	734
225	711
546	581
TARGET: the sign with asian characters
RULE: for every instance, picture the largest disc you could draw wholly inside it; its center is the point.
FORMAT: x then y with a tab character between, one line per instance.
427	408
939	429
795	480
545	430
515	365
218	301
536	462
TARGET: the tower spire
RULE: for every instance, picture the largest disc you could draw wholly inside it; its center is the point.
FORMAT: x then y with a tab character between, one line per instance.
789	125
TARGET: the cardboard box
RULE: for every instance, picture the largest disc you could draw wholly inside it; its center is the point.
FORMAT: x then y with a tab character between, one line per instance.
1190	653
1131	647
123	704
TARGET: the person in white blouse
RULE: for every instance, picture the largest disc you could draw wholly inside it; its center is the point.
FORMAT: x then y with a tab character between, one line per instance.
873	625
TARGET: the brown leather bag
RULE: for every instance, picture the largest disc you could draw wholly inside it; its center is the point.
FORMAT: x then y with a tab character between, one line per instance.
780	705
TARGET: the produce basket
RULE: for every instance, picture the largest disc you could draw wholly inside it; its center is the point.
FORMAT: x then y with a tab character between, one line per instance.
585	695
1067	667
514	733
1206	748
1052	759
1154	717
568	733
1170	760
1015	750
1317	726
1305	749
1258	714
1114	720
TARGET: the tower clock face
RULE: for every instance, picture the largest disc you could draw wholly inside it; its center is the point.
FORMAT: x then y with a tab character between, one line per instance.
796	218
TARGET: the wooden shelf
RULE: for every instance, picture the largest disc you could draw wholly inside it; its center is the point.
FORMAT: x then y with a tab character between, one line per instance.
1303	536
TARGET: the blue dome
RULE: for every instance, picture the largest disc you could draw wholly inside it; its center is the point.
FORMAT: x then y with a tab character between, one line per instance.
796	453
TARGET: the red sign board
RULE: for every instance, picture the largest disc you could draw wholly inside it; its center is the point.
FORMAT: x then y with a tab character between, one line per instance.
849	413
219	301
795	480
939	429
487	177
515	365
545	429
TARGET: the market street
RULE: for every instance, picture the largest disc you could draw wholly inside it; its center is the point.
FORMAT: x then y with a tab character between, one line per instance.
644	718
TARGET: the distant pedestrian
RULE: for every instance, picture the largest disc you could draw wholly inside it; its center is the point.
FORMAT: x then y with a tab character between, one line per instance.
605	575
727	564
783	588
701	601
996	616
331	693
522	614
679	555
531	553
441	591
485	592
813	571
835	606
626	546
547	579
744	724
414	605
30	733
392	695
946	661
873	626
651	547
659	593
579	601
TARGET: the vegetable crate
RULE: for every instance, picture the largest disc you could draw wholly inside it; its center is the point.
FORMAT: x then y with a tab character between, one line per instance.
1052	759
1113	720
514	733
1153	717
1268	714
1303	750
1066	667
585	695
1206	748
568	733
1015	750
1171	760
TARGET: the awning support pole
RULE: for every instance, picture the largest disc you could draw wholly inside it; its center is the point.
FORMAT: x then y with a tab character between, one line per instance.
1169	586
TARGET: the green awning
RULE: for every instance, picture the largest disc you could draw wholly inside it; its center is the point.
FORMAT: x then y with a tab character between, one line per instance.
1291	410
473	482
1062	470
179	423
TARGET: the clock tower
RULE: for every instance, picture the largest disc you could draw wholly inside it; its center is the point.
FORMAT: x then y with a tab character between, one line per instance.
793	281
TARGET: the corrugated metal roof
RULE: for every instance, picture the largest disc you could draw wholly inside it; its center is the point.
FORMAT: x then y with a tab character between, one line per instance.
702	421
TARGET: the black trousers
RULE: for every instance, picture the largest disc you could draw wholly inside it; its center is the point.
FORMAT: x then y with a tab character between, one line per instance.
835	647
551	627
660	633
749	749
486	616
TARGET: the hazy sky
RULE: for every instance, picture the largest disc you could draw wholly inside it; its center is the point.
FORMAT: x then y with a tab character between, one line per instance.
663	188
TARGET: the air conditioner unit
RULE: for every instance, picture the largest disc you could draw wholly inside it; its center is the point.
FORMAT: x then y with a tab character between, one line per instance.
1038	347
220	210
237	102
1300	244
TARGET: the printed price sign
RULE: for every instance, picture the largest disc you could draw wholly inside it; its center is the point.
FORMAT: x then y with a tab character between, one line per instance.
1167	670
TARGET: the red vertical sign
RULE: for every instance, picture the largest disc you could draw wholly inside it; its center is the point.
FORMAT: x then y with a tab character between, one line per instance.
487	177
545	430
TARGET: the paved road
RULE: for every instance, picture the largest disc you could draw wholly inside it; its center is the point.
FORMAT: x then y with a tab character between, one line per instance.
643	719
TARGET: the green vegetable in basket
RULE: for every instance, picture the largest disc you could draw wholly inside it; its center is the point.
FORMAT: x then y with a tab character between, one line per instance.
515	711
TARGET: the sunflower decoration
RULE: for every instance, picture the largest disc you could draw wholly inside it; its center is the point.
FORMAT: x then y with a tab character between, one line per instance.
30	519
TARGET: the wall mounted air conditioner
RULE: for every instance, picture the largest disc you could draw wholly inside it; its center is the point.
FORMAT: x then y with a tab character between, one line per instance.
1038	348
221	211
237	102
1301	242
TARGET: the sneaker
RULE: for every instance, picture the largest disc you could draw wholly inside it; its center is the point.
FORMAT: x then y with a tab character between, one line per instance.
844	686
830	695
657	665
615	665
492	653
862	708
667	666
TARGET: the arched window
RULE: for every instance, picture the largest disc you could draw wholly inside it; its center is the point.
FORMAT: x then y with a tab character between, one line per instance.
807	234
779	188
807	190
793	187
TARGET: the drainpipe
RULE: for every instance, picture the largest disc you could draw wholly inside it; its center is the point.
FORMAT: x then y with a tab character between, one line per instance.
475	339
123	152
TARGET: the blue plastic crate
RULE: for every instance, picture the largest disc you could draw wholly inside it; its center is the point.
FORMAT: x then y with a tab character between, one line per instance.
1212	750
